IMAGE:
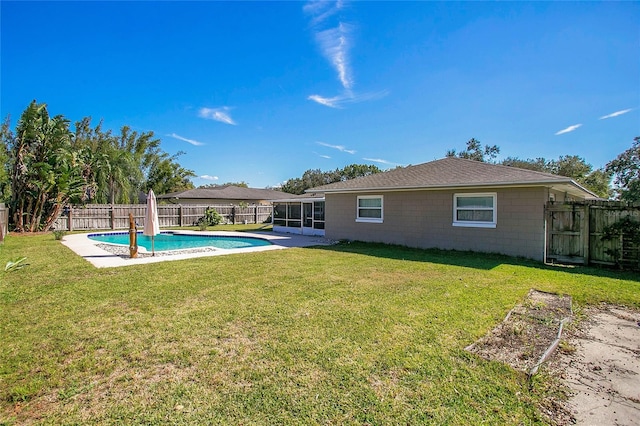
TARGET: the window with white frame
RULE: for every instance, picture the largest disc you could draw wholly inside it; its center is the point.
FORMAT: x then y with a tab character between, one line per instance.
370	209
475	210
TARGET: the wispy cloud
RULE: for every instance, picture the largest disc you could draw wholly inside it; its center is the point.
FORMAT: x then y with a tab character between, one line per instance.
321	10
218	114
334	39
208	177
348	98
568	129
322	155
340	148
191	141
615	114
334	102
334	44
381	161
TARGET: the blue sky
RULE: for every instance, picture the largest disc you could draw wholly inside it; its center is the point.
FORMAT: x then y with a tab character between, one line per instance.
262	91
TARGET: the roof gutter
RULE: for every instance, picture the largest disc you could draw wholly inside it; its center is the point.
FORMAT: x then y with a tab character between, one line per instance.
547	183
297	200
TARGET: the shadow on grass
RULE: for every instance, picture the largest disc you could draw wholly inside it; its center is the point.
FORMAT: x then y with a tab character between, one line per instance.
468	259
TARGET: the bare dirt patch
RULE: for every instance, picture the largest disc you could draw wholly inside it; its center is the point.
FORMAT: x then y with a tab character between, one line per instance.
596	360
528	331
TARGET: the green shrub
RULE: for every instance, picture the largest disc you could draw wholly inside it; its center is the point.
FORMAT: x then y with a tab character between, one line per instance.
58	234
211	218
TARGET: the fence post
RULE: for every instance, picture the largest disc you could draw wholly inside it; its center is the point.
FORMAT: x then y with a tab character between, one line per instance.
180	217
586	237
255	214
233	215
70	219
113	218
4	221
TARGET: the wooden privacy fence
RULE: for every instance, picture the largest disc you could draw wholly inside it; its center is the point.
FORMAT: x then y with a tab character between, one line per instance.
575	233
116	216
4	221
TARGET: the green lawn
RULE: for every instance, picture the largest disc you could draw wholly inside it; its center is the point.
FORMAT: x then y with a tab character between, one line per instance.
347	334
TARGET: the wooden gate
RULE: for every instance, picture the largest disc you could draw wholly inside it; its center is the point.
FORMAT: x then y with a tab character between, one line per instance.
575	233
567	233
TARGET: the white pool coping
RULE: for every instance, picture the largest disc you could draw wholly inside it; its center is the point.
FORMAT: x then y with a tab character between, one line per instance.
89	250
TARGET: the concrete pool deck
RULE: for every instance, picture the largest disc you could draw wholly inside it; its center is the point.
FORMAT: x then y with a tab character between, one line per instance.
100	258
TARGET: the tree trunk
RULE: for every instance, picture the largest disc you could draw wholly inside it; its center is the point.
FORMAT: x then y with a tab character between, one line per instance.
53	216
18	216
37	211
61	203
26	215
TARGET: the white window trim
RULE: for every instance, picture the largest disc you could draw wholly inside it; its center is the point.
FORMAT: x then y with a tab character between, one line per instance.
370	219
477	224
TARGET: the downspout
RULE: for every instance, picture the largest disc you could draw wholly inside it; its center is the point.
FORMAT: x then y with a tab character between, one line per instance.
544	227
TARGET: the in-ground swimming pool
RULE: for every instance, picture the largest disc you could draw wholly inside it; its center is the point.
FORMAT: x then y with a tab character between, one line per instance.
175	241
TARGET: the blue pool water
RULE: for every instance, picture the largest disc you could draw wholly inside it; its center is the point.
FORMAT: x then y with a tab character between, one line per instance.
171	241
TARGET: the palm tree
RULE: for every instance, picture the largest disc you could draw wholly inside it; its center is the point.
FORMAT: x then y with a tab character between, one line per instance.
46	173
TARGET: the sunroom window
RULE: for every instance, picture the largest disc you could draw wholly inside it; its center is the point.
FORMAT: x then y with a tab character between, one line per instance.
475	210
370	208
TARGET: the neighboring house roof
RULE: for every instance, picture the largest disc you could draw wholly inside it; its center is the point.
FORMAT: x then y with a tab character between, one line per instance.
456	173
229	192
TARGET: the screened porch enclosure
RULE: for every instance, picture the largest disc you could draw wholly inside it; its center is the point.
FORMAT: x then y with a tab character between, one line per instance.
299	217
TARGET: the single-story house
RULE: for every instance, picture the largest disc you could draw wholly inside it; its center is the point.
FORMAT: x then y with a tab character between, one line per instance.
226	194
451	203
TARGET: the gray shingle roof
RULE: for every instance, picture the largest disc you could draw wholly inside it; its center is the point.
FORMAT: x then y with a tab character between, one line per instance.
229	192
452	172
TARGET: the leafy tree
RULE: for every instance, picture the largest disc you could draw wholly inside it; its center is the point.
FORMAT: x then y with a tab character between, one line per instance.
599	182
45	171
309	179
46	166
315	177
241	184
571	166
582	172
167	175
134	156
626	171
475	151
110	168
538	164
353	171
119	168
89	143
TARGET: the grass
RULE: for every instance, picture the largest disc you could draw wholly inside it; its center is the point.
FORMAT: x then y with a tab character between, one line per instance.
346	334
